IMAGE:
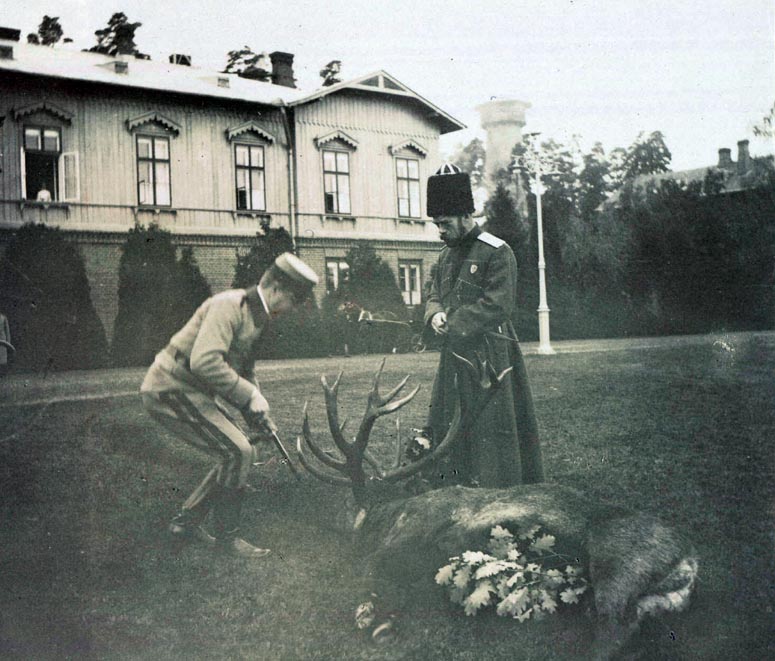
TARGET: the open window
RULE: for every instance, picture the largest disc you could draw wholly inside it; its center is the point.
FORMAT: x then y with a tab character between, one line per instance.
42	169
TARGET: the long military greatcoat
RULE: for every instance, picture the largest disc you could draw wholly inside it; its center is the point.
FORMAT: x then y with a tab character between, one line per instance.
475	284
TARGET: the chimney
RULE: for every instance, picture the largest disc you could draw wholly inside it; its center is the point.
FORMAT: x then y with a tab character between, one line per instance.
725	159
121	66
743	157
10	34
182	60
282	69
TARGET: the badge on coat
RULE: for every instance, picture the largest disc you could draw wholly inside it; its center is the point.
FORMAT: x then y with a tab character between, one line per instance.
474	268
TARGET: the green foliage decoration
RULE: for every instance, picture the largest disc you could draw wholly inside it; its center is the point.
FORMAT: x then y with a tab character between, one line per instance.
520	575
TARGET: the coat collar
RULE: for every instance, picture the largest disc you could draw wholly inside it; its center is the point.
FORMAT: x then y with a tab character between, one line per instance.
256	306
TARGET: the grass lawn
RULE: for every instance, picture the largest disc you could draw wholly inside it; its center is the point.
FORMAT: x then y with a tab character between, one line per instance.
86	570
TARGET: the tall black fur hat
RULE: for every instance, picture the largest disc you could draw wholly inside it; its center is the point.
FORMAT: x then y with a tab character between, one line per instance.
449	192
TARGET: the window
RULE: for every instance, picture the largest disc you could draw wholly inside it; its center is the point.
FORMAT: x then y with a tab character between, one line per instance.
153	171
336	175
408	186
410	278
337	274
251	185
40	163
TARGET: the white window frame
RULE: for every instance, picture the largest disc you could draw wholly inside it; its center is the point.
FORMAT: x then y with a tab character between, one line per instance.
56	194
334	277
69	171
412	184
249	169
411	288
153	159
339	176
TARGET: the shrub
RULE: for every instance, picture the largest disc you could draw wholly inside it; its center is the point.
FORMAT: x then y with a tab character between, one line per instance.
45	294
156	294
297	334
371	291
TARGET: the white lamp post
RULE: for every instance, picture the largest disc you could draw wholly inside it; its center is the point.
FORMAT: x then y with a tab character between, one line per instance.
532	162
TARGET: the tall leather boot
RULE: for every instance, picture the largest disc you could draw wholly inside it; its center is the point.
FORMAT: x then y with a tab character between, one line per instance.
187	524
227	511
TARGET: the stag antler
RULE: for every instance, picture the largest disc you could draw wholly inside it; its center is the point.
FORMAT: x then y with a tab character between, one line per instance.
350	468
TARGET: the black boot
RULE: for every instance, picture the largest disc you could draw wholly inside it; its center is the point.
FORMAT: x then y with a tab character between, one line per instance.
187	525
226	517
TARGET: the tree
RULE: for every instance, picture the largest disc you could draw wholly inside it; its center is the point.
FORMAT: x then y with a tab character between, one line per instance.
766	128
264	250
156	294
298	333
45	294
331	73
371	288
49	32
647	155
503	220
593	181
118	38
247	64
471	158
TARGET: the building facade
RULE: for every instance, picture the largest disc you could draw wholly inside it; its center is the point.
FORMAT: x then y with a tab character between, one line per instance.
95	144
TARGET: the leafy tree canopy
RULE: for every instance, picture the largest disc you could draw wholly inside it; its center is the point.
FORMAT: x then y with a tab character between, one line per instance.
118	38
248	64
471	158
49	32
766	128
266	247
647	155
331	73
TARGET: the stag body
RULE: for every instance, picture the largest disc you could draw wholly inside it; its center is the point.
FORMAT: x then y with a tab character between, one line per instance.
635	563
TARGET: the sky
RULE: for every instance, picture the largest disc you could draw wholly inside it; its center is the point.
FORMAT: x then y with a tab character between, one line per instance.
701	72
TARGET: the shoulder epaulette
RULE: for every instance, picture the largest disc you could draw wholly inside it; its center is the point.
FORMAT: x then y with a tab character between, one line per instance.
491	239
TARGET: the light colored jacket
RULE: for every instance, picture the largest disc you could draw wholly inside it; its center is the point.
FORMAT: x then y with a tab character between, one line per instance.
213	349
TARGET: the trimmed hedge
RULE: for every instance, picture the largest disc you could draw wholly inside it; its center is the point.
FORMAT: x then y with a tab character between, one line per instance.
45	294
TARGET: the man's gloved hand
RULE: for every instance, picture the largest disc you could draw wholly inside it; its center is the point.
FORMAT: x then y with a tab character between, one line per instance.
439	323
257	415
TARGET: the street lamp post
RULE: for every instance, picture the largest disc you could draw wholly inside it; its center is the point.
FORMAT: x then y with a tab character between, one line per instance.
531	160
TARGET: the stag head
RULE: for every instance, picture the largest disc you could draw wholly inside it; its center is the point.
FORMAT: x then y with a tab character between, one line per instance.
357	467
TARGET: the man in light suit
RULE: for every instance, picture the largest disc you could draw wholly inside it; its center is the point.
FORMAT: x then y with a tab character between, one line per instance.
208	360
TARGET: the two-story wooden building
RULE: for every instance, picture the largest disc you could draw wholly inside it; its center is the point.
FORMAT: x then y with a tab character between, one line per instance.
94	144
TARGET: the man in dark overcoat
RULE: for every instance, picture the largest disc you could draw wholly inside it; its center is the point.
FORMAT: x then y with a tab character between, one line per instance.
472	301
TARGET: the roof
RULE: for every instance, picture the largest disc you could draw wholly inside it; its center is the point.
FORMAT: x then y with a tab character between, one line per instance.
732	182
381	82
66	63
